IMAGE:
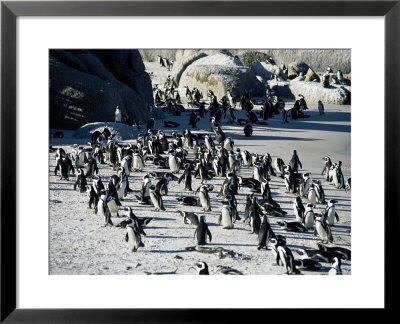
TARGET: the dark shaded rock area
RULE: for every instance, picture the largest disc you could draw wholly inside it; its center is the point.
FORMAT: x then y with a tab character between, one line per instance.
87	85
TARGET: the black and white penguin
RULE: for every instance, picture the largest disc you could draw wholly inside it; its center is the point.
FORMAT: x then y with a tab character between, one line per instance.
225	217
309	217
219	135
295	162
298	209
340	252
150	124
204	198
156	198
81	182
308	264
133	236
335	267
188	200
316	255
283	256
323	229
102	208
190	218
62	169
265	234
347	186
202	268
248	130
285	116
91	167
93	198
246	158
305	184
319	191
280	166
162	184
145	193
174	162
112	200
68	163
193	119
312	194
187	175
327	166
202	172
292	227
321	109
330	212
118	115
202	232
254	215
80	157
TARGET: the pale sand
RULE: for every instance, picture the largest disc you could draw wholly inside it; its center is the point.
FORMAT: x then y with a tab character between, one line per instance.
79	244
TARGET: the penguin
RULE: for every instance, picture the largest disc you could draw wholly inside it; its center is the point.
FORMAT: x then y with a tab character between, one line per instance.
133	236
91	167
312	194
102	208
327	166
188	200
138	163
80	158
308	264
97	185
145	190
112	200
305	184
193	119
265	234
316	255
202	232
225	216
280	166
202	268
81	182
118	115
204	198
187	175
292	227
61	167
68	162
285	116
190	218
298	209
231	100
162	184
93	198
249	200
228	144
209	143
322	229
248	130
321	109
335	267
254	215
295	162
122	183
319	191
156	198
330	213
309	216
289	181
219	135
283	256
348	185
246	158
340	252
202	172
253	184
174	162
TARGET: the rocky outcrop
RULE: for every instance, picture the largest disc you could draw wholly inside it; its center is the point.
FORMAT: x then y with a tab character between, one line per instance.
220	73
312	76
313	91
87	85
266	70
121	132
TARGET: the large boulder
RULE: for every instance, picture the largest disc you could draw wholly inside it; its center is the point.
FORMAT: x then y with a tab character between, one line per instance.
121	132
266	70
295	68
219	73
313	91
87	85
312	76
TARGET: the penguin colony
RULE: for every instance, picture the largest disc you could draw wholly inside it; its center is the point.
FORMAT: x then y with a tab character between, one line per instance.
195	160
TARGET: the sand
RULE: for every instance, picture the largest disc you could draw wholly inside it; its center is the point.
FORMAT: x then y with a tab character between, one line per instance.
79	244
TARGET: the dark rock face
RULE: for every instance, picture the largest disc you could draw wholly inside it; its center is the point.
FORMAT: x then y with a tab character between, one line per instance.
87	85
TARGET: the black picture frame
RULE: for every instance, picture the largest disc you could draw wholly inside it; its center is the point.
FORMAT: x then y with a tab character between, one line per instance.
10	10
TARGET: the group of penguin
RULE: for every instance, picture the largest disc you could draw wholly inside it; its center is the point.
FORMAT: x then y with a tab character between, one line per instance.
210	159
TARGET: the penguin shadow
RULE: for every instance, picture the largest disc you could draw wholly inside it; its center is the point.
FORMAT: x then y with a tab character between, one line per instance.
158	227
166	251
169	237
231	244
163	219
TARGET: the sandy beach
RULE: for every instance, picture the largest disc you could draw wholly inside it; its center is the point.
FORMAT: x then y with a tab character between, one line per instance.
79	244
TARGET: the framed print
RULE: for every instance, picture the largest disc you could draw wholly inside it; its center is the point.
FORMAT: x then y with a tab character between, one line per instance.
323	80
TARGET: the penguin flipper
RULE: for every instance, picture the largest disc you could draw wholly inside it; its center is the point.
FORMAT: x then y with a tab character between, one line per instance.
126	237
209	234
337	216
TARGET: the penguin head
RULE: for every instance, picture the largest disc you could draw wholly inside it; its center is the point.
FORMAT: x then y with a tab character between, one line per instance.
202	268
336	262
202	219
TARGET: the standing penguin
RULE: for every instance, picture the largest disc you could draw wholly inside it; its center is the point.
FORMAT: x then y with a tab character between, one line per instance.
204	198
138	163
156	198
61	167
93	198
162	184
323	229
68	163
265	234
254	214
225	217
145	193
81	181
118	115
283	256
187	175
305	184
150	124
133	236
320	192
309	217
102	208
248	130
327	166
330	213
174	161
321	109
202	231
295	162
298	209
312	194
335	267
193	119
